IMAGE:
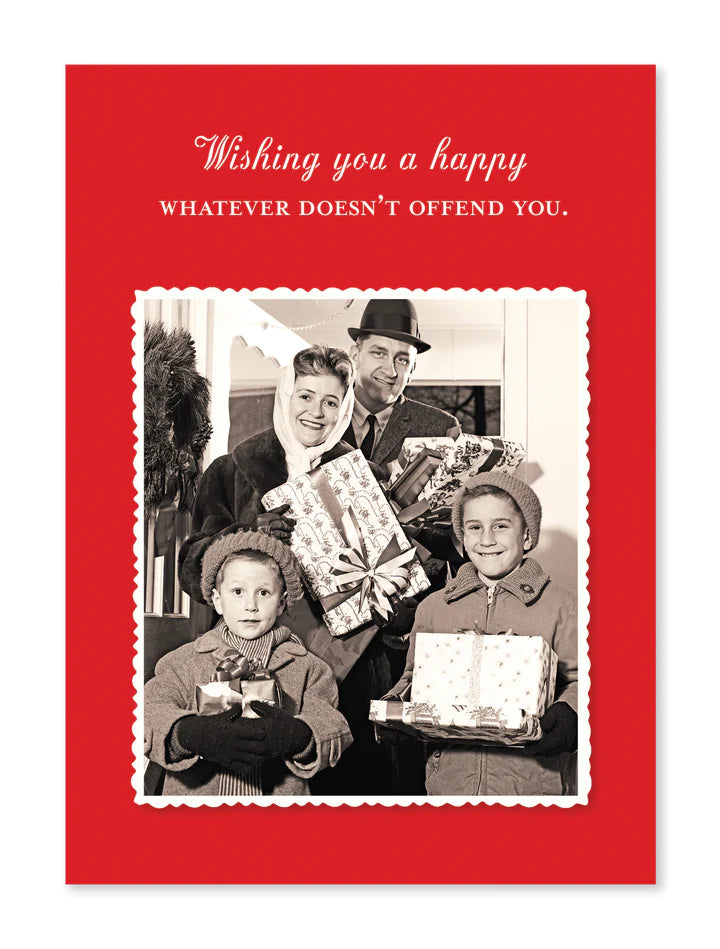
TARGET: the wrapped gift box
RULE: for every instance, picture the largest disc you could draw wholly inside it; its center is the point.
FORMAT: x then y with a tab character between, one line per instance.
216	697
414	476
462	458
506	725
472	686
469	668
350	546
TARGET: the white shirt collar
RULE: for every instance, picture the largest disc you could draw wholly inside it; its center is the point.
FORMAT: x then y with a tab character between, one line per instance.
360	414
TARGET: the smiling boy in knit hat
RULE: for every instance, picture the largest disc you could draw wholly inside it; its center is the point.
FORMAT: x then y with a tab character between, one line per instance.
497	518
249	578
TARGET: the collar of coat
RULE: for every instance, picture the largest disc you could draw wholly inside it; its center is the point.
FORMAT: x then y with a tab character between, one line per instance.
282	654
261	460
526	583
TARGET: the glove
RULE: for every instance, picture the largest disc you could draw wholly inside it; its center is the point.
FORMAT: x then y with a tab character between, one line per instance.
275	734
560	731
438	541
243	743
400	622
215	737
275	523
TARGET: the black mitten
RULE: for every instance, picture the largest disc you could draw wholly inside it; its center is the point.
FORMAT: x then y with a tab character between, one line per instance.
440	544
275	523
400	622
214	737
242	743
560	731
276	734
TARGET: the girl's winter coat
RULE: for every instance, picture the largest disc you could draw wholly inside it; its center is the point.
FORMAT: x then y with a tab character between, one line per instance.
308	692
528	602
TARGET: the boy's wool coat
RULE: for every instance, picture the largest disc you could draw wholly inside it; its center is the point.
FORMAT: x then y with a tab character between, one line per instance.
308	692
528	602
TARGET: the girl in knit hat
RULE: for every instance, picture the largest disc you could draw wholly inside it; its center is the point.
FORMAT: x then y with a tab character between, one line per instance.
249	578
497	518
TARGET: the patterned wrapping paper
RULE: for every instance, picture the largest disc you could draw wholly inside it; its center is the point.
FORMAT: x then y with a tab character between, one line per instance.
464	457
317	540
506	725
471	686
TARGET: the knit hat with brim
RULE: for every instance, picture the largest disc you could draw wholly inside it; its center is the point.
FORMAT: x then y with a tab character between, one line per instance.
227	544
521	493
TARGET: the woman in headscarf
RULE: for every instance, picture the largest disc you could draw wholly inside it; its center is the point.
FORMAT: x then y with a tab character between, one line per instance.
313	407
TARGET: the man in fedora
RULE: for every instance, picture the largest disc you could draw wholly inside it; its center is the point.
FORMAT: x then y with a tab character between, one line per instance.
384	351
385	348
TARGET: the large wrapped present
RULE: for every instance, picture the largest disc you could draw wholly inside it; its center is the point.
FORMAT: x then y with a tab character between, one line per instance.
461	458
467	685
237	681
470	668
353	553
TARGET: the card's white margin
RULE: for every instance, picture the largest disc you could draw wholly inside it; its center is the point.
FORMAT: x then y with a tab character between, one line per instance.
583	764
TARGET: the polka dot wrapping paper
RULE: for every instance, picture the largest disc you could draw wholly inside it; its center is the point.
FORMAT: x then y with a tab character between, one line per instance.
473	686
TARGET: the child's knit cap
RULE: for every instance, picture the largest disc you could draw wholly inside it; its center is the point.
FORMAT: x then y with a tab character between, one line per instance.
521	493
226	544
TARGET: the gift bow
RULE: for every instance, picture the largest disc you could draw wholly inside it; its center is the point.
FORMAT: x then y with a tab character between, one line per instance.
234	667
377	581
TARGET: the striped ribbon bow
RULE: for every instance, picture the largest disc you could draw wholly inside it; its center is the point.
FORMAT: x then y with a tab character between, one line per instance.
377	581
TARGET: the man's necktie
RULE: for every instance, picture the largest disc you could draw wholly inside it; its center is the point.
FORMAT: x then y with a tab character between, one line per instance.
367	444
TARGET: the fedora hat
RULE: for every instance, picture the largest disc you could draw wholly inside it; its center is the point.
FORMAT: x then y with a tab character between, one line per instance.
394	318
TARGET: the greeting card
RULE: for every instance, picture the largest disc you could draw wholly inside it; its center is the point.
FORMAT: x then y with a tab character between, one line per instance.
268	269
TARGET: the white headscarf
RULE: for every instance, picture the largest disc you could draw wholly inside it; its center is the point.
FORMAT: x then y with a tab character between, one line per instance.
299	458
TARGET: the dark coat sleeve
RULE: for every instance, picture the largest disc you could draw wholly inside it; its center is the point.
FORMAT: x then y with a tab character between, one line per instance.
225	502
228	499
423	621
455	429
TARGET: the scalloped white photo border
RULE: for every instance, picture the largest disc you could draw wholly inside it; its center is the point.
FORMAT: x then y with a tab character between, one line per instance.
583	395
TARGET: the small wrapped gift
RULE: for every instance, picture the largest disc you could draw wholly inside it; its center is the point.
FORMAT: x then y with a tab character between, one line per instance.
353	553
237	681
413	478
461	458
467	685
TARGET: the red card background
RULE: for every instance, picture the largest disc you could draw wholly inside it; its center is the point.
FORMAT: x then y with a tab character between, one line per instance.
589	133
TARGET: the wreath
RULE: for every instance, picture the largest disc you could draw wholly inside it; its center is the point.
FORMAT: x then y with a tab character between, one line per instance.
177	418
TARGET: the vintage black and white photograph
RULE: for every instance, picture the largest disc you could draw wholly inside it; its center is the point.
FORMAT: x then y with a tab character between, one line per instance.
361	547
